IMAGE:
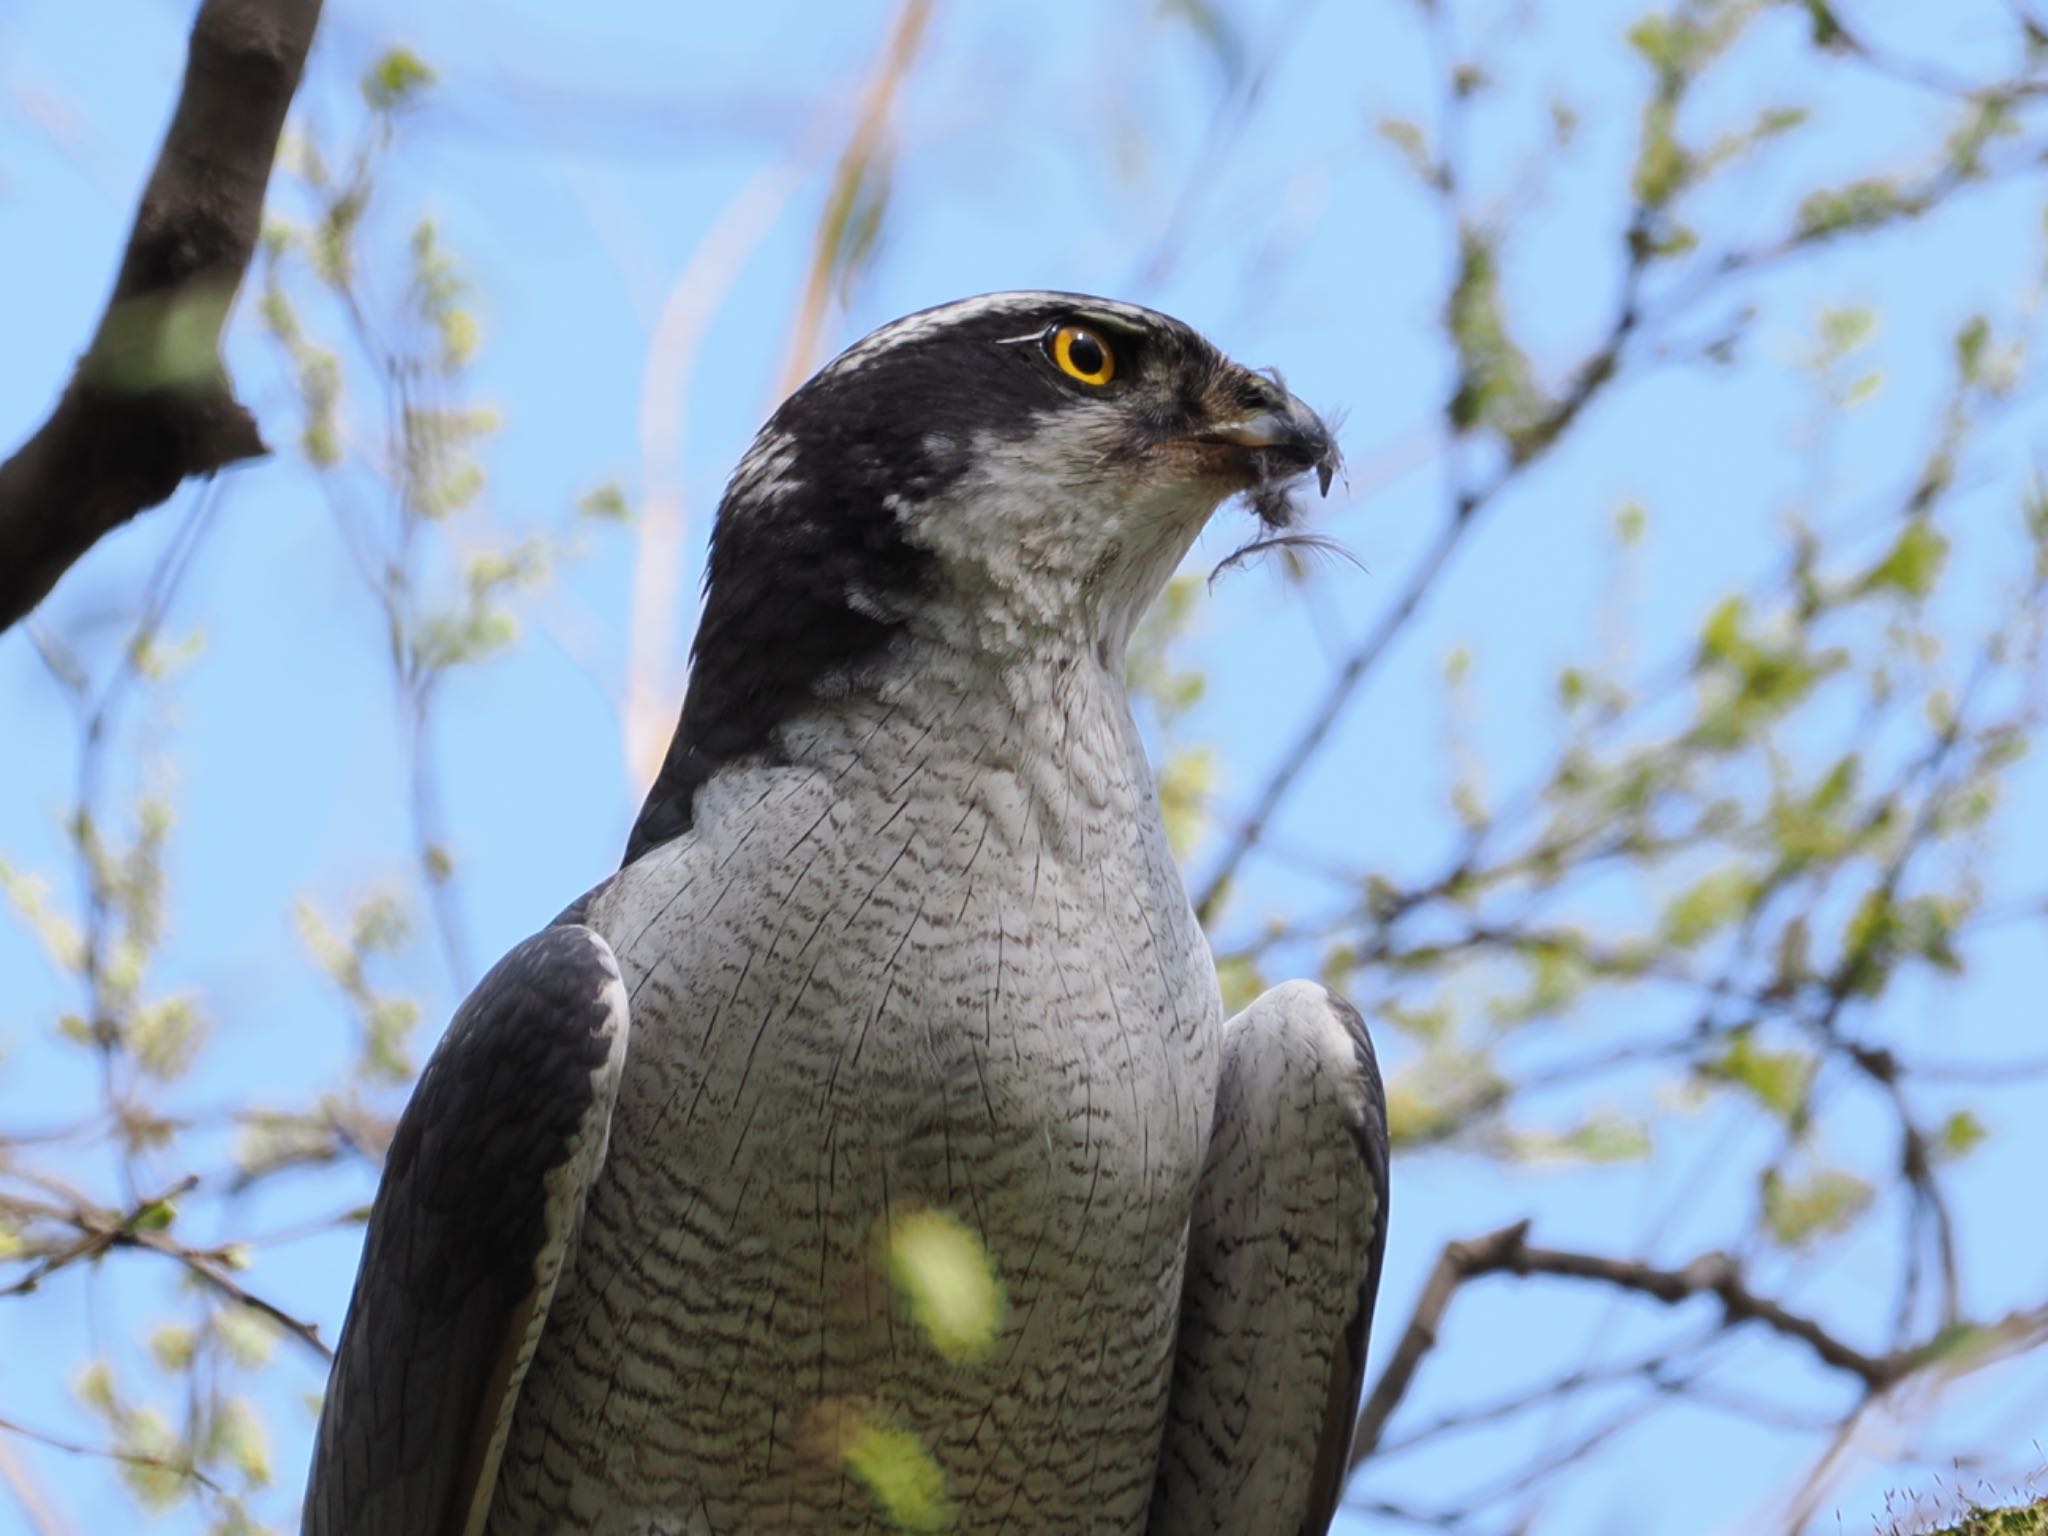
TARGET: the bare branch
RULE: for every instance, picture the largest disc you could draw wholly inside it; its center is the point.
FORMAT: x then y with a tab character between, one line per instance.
150	404
1507	1251
110	1453
1458	1262
43	1517
99	1231
210	1267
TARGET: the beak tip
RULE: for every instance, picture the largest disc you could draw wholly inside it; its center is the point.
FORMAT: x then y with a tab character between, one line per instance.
1284	438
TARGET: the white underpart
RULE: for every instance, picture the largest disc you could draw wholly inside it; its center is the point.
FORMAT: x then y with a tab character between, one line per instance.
1034	559
941	961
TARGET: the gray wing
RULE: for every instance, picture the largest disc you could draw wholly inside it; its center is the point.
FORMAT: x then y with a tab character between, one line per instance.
1284	1249
483	1189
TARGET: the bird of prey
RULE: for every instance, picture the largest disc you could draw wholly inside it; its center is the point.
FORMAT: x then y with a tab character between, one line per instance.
871	1152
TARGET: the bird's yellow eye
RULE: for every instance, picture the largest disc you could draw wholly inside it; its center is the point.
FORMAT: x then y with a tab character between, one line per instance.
1081	353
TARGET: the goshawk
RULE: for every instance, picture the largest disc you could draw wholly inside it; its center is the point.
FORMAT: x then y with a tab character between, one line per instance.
871	1151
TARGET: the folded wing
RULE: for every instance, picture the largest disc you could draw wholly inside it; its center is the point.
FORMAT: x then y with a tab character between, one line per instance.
482	1193
1283	1264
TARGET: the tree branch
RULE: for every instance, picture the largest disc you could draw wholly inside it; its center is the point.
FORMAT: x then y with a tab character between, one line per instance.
1507	1251
150	404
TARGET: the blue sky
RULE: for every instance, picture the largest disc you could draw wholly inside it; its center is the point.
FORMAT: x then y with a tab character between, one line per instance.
576	162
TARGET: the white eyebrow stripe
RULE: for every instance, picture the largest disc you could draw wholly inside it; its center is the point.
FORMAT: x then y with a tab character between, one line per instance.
1109	312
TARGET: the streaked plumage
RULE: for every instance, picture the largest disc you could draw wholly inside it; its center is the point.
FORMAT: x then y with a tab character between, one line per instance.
903	951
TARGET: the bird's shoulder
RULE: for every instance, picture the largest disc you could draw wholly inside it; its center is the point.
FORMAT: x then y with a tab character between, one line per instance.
481	1192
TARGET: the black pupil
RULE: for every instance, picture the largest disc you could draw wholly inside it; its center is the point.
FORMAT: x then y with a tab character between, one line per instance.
1085	353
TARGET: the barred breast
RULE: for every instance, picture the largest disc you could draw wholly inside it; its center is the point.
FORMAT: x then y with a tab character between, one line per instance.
963	1001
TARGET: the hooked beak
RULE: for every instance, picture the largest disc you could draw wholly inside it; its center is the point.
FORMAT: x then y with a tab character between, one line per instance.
1284	440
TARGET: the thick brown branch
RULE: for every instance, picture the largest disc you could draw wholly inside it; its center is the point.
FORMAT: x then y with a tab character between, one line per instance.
150	404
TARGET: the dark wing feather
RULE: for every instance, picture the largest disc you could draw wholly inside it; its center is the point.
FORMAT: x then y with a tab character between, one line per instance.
482	1190
1284	1248
1347	1365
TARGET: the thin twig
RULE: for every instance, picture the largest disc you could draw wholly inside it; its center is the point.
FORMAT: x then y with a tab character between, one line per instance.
1715	1275
143	1459
43	1516
648	712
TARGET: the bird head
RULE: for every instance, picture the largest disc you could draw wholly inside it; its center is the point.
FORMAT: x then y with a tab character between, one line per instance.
1020	469
1013	476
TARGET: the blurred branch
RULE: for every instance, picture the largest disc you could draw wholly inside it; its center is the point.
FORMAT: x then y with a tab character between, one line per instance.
648	712
694	299
1227	125
1834	35
400	507
43	1520
858	164
1716	1275
1468	297
150	404
210	1267
94	1231
43	1517
1489	365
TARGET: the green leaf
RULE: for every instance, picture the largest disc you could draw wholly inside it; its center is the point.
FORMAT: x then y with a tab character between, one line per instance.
173	1346
1557	974
1827	31
1778	1080
247	1335
1665	44
158	1471
1845	328
95	1388
1430	1025
606	502
902	1476
1708	905
1496	388
948	1280
1603	1137
236	1436
1662	165
1799	1214
1721	636
1407	137
1971	341
1960	1135
165	1037
1912	565
1862	204
1240	981
1441	1095
398	76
